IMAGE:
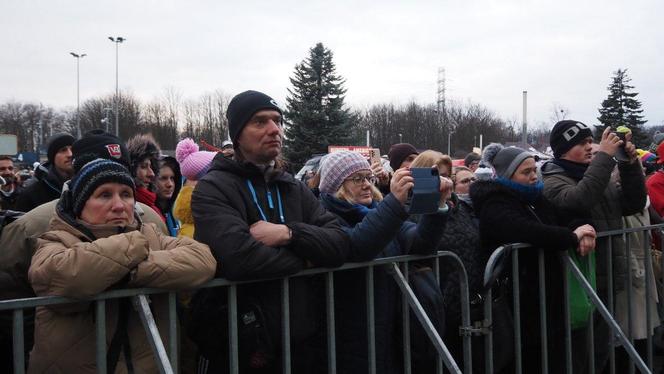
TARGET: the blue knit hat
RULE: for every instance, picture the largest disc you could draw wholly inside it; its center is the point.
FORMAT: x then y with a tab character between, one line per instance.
92	175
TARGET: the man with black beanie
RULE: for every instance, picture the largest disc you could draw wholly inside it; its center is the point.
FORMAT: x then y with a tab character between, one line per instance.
579	184
401	155
50	176
261	223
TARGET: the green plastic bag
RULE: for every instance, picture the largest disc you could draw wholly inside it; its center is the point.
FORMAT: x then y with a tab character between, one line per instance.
580	306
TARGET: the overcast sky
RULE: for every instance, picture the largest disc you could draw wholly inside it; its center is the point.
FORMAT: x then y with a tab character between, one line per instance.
561	52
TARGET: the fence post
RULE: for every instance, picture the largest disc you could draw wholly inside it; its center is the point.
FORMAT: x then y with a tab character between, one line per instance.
100	326
605	314
371	320
331	336
143	308
18	341
421	315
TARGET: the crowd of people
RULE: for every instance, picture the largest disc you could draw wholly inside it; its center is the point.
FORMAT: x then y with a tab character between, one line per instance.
103	214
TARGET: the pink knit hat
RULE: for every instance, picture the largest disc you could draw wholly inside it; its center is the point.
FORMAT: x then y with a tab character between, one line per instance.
193	163
338	166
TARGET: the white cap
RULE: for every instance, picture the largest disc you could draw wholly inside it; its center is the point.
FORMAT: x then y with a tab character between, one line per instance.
226	143
35	165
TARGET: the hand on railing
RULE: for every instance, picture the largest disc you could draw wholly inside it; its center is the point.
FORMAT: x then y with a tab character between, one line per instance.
586	235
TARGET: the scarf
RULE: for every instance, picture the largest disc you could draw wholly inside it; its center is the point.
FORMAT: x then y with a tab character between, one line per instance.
104	231
573	169
149	198
351	213
529	193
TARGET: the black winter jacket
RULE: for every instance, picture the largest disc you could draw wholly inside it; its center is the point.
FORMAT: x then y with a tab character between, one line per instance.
462	237
46	187
224	208
506	218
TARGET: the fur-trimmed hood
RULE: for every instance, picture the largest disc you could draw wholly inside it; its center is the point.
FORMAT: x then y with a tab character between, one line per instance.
142	146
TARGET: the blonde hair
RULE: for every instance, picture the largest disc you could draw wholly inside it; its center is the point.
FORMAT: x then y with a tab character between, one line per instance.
431	158
343	194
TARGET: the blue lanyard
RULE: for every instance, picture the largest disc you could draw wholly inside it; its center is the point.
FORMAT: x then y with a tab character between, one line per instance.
269	202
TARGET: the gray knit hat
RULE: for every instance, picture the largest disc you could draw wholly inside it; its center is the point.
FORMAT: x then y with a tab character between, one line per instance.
505	161
338	166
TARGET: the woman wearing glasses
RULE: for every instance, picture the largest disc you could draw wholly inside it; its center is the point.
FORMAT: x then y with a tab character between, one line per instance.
378	227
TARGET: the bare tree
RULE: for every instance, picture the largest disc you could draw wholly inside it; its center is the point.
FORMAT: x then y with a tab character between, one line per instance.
558	113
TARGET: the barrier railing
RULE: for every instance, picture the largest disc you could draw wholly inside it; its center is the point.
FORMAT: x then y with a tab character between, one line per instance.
606	310
167	359
396	267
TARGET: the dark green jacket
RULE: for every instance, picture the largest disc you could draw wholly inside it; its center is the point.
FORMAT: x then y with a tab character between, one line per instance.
606	201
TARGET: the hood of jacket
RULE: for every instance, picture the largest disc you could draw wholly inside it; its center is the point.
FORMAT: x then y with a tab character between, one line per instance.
47	174
173	164
550	168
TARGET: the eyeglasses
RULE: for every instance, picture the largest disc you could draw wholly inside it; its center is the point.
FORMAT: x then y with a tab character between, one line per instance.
358	180
467	180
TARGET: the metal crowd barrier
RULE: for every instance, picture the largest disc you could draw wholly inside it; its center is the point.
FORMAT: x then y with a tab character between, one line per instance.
606	311
167	359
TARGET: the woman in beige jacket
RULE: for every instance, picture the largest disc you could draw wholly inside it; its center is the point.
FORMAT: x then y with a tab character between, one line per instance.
96	243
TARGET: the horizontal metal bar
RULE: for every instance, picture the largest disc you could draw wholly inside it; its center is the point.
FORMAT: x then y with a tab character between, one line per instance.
626	230
32	302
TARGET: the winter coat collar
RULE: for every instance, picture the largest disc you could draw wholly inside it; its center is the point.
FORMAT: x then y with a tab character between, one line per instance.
248	170
351	213
481	191
47	174
573	169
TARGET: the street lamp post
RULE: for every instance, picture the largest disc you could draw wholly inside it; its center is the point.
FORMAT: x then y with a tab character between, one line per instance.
78	57
117	40
449	140
400	138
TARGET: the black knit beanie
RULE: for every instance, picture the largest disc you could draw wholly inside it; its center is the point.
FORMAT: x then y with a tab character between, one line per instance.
56	142
92	175
102	145
566	134
398	152
245	105
470	158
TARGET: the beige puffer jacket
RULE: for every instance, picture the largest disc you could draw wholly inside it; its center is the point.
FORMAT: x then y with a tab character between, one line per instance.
68	264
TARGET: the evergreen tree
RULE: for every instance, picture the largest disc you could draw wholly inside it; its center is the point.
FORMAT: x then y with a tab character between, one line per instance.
622	108
315	113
